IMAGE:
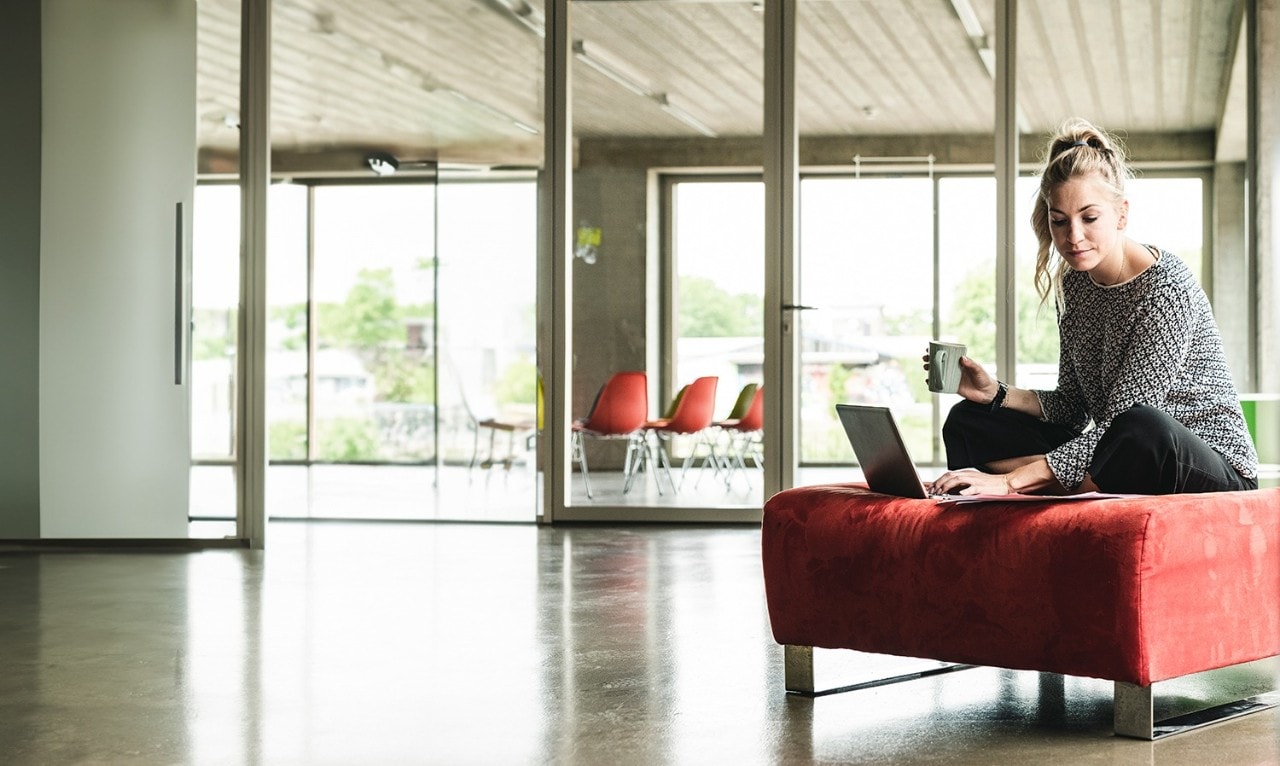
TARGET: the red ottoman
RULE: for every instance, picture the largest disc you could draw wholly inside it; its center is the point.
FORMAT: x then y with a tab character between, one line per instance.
1134	590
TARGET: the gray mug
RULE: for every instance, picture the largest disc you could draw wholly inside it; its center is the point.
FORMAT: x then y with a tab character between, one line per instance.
944	366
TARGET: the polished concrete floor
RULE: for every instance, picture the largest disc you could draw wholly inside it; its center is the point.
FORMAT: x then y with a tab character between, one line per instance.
440	643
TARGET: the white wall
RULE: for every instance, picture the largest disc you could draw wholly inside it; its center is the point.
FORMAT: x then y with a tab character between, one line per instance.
118	155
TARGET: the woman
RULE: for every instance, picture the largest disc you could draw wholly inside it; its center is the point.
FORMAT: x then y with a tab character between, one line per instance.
1141	359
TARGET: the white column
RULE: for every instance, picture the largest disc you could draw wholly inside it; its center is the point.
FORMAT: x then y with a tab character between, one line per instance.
118	179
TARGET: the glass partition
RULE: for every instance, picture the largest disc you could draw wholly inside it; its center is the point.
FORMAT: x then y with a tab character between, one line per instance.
373	302
485	341
895	227
667	288
866	266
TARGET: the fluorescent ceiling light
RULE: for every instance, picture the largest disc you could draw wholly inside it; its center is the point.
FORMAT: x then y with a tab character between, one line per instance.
683	116
531	18
490	109
609	70
632	84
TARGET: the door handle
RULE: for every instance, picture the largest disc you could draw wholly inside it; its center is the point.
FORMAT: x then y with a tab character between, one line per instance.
179	297
798	307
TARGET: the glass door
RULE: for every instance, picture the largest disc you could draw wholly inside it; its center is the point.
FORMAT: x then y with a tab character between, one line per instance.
891	251
658	85
866	252
484	339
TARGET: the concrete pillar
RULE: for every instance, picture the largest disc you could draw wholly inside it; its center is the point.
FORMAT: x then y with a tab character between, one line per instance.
1231	274
1266	215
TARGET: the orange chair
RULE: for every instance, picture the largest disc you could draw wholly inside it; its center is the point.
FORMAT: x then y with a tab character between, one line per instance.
744	437
619	412
693	413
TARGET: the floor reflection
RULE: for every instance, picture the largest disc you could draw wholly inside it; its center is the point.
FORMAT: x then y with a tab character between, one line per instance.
454	493
351	643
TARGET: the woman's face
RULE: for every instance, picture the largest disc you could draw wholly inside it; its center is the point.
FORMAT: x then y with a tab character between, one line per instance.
1087	225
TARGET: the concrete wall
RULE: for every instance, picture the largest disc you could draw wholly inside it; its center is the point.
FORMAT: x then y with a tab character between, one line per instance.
1230	272
1267	209
611	298
20	269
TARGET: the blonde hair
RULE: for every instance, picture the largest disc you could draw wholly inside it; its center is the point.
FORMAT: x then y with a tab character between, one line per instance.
1078	149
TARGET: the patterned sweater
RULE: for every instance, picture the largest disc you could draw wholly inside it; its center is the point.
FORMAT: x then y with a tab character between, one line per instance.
1152	340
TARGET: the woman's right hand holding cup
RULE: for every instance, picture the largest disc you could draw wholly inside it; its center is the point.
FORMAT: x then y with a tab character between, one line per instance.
976	384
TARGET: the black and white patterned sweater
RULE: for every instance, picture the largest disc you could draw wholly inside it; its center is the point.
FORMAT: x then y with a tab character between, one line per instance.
1152	340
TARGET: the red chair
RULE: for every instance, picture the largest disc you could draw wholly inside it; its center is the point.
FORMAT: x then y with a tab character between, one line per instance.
744	437
619	412
694	411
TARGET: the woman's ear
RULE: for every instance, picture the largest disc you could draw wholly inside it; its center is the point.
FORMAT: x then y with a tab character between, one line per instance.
1124	215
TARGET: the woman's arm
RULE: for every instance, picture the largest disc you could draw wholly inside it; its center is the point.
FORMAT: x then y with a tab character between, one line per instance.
1028	475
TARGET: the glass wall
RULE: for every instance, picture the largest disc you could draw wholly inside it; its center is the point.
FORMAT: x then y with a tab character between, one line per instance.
866	266
718	264
649	92
486	338
882	263
215	299
372	295
895	222
389	344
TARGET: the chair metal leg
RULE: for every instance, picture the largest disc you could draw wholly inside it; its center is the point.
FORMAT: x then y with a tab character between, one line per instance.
475	450
580	453
638	459
1134	714
664	462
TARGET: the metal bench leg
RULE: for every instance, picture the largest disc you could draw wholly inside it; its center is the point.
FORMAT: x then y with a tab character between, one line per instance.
797	672
1135	714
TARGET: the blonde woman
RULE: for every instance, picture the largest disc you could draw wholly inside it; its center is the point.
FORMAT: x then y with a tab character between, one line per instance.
1145	401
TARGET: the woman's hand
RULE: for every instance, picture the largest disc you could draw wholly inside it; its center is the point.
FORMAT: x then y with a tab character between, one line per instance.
971	481
975	384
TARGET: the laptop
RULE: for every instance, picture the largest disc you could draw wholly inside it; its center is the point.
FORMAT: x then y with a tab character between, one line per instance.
881	452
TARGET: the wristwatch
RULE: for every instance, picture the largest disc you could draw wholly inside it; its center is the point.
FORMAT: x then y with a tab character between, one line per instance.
1001	392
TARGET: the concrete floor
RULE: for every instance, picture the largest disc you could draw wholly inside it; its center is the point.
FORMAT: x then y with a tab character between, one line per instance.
438	643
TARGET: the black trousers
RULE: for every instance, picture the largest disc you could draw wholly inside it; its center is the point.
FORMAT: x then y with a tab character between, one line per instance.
1144	451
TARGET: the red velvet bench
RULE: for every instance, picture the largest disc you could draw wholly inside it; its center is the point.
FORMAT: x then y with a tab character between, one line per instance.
1133	590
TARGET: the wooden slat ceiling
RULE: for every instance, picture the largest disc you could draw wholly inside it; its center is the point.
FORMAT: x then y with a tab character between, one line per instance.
461	80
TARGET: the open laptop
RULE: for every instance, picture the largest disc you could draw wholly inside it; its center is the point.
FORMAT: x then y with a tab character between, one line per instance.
881	452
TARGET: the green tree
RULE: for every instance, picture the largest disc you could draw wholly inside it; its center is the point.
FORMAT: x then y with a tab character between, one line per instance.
707	311
368	318
972	318
293	318
370	322
212	334
518	383
346	440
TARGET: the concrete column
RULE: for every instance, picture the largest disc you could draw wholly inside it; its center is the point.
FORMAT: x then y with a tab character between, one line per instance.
1231	273
1266	213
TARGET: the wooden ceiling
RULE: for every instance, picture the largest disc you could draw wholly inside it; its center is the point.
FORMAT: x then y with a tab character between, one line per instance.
461	80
